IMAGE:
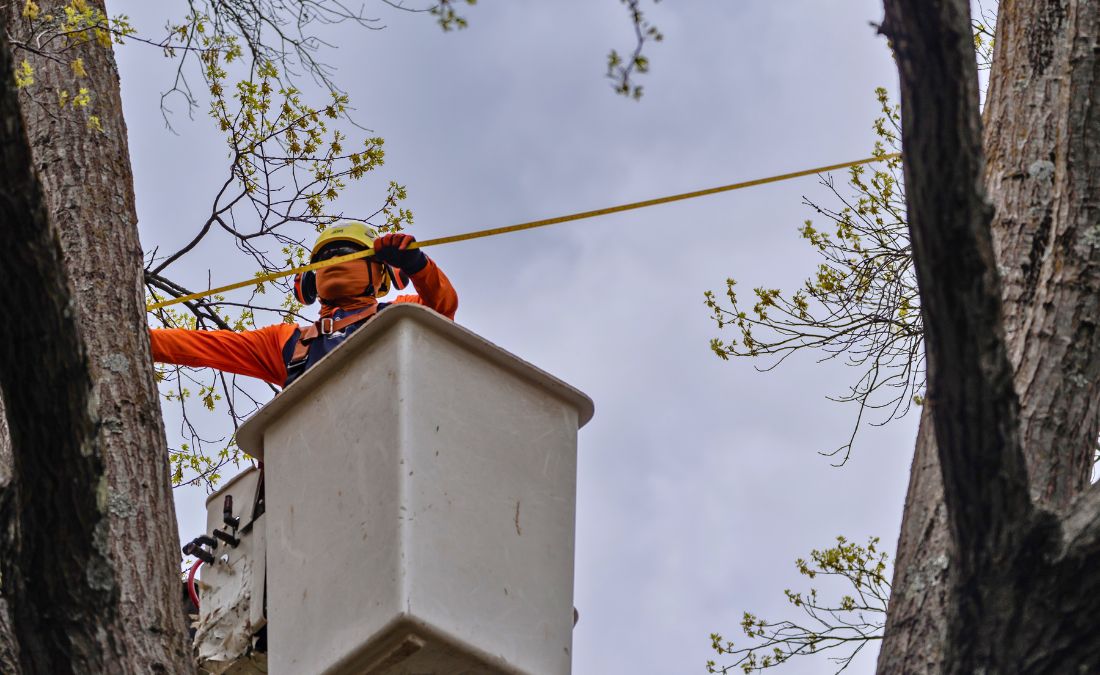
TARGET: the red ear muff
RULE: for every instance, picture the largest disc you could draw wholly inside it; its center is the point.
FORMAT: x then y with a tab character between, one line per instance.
305	287
399	279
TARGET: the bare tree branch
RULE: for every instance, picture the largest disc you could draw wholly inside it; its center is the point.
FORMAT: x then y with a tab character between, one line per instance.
622	71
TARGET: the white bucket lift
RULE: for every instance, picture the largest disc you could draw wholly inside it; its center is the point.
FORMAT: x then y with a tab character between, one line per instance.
228	636
420	508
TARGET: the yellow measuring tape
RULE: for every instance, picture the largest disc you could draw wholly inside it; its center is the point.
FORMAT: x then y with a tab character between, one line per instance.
492	232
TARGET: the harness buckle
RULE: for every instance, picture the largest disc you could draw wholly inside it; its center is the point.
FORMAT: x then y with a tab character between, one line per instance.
326	329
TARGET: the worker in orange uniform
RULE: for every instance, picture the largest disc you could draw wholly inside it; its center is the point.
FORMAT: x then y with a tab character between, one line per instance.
349	293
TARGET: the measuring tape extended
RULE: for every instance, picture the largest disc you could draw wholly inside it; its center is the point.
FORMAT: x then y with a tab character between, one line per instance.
494	231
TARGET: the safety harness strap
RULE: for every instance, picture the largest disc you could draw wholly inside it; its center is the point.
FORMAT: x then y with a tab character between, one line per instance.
325	326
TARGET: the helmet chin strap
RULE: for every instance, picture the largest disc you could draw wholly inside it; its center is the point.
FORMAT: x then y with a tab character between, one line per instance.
370	279
372	289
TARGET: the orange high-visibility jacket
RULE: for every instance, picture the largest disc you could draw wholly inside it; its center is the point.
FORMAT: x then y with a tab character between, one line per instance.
265	353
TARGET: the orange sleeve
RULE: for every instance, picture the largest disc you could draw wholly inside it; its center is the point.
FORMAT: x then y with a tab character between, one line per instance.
434	290
256	353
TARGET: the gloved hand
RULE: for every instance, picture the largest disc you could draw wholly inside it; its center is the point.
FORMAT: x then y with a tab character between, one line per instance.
393	249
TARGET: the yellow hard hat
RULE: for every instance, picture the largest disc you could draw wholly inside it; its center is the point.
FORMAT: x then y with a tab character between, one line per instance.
354	232
350	231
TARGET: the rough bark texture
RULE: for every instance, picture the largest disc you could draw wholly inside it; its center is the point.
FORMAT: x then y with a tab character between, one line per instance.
1043	171
1013	365
9	645
916	625
88	191
56	577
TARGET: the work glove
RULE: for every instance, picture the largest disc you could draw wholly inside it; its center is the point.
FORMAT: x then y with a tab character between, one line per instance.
393	249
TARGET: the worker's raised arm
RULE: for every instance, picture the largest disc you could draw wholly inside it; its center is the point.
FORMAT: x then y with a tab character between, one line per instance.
433	288
256	353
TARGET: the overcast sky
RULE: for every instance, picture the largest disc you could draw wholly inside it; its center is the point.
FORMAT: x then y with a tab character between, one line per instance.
699	481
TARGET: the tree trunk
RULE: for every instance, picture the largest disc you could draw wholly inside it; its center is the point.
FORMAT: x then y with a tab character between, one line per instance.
56	576
915	625
1043	175
9	645
88	192
1016	291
